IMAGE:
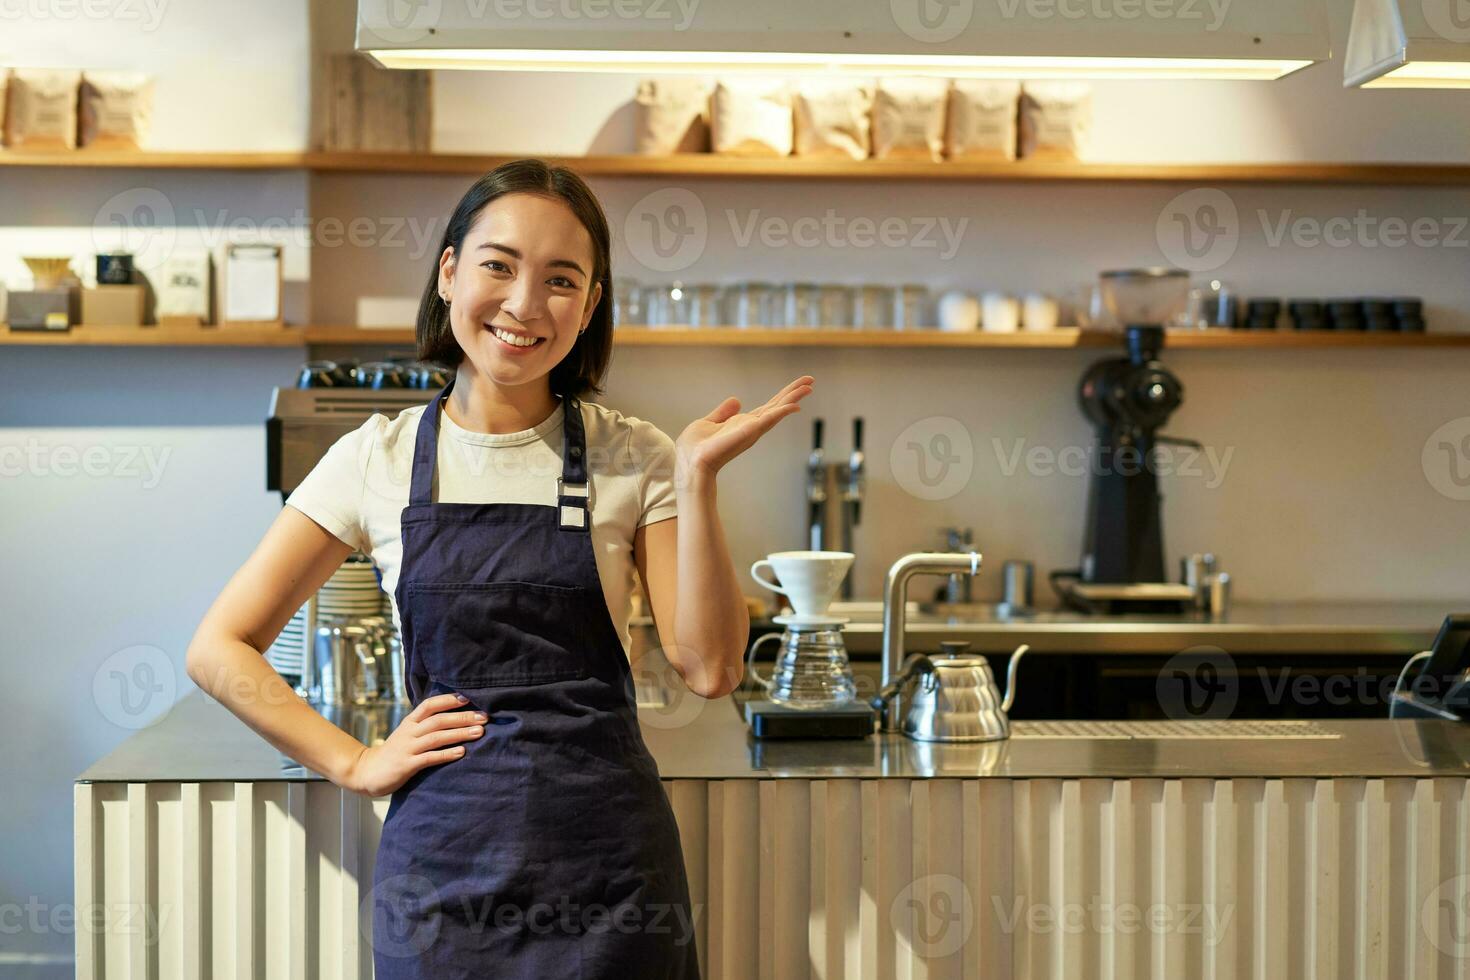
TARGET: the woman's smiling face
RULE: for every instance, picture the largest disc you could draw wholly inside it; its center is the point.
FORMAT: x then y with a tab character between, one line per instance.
521	288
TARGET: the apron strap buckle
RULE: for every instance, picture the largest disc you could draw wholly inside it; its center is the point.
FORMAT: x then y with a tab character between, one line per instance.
571	504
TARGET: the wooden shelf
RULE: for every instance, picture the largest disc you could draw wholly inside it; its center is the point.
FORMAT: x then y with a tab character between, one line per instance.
707	165
302	337
696	165
1308	340
741	337
145	159
357	335
156	337
845	338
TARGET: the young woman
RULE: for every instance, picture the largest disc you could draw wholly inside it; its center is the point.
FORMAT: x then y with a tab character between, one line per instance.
528	835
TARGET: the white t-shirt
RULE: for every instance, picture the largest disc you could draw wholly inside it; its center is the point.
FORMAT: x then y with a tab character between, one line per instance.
358	490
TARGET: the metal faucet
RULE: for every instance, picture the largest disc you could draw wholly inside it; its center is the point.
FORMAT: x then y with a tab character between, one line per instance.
895	598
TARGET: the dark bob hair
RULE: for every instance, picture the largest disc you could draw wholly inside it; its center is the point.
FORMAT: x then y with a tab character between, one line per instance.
580	373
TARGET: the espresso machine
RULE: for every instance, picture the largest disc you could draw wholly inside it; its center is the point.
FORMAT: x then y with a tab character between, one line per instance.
329	400
1128	400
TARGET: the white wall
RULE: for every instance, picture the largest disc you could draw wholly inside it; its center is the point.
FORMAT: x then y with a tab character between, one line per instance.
101	561
230	76
133	486
1307	116
1325	494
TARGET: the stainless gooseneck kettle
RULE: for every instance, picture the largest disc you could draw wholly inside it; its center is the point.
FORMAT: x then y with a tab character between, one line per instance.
954	697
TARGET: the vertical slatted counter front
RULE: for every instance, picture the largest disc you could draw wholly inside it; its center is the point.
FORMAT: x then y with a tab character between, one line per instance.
847	877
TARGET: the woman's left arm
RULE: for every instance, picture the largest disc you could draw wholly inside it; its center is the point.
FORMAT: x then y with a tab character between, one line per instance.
684	562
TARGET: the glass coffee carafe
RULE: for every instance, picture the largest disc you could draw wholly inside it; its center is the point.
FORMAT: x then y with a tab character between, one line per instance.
811	670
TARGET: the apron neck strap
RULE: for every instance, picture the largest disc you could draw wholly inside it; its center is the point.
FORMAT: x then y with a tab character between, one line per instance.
572	496
571	488
426	450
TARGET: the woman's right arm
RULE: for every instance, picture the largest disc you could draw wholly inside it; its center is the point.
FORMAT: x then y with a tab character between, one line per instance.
225	659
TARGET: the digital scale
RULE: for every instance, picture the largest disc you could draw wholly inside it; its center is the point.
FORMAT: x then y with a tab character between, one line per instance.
769	719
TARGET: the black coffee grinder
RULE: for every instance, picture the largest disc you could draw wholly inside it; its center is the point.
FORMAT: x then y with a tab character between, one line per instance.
1128	399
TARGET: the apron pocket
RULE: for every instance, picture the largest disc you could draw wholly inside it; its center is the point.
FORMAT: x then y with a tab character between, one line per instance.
498	634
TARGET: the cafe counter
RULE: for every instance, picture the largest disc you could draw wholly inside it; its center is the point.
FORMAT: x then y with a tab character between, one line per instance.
1304	849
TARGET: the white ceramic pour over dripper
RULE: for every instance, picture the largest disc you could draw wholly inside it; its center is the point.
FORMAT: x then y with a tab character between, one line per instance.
809	579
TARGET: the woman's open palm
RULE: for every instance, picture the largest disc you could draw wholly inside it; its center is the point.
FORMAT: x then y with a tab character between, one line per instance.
708	443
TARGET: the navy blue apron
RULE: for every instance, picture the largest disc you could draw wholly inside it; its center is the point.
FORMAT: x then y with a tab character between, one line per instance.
548	851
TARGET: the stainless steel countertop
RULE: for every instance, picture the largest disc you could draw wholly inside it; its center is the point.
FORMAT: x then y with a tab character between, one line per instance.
199	740
1397	628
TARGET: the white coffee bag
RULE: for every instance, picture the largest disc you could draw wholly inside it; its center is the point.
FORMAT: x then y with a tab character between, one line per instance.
673	116
982	119
908	118
1056	120
752	117
42	109
834	118
117	109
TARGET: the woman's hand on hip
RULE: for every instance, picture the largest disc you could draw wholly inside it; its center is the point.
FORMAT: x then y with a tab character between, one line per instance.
429	736
708	443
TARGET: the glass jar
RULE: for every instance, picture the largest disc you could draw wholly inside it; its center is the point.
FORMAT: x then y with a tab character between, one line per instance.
834	306
1088	310
803	306
1211	304
750	304
704	305
911	307
628	296
873	308
668	305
